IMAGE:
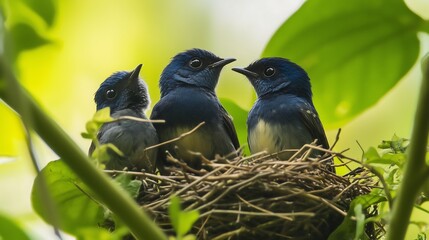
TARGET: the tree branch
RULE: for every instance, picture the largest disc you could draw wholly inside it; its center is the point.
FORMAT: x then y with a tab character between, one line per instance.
416	166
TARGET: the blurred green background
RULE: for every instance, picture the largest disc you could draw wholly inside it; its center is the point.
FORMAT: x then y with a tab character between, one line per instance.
92	39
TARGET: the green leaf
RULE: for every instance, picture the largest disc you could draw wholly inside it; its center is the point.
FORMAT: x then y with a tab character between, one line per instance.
102	153
384	145
74	205
397	158
22	37
396	144
101	234
353	51
380	161
86	135
10	230
392	159
421	236
114	149
189	237
371	155
392	152
360	221
239	116
367	200
44	8
182	221
95	233
345	231
130	185
348	228
102	116
92	128
174	212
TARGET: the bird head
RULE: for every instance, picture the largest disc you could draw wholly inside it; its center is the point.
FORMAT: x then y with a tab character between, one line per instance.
123	90
195	67
277	75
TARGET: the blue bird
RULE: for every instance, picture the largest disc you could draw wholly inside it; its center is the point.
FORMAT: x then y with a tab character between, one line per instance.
126	95
283	116
188	98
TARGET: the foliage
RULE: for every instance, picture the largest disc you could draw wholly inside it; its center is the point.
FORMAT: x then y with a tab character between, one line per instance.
18	39
77	209
416	171
182	221
79	212
352	50
22	31
368	47
421	236
100	154
75	205
388	163
11	230
44	8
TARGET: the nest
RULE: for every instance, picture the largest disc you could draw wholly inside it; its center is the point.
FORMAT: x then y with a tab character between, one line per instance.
257	196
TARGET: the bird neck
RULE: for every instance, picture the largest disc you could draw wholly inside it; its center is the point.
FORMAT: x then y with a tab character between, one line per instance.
134	110
269	95
306	95
179	84
139	110
301	91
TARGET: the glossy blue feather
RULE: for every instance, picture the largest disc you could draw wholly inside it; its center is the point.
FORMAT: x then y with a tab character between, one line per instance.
283	116
188	98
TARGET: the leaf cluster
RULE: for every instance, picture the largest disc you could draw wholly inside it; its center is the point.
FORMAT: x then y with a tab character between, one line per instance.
387	162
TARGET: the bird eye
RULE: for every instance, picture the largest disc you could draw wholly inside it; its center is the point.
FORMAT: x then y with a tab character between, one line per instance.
195	63
269	71
110	94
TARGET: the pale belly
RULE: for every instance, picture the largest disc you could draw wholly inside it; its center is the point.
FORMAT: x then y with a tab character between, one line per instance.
273	138
198	141
263	138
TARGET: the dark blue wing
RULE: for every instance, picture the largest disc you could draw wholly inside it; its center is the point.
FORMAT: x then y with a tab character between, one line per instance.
313	124
229	127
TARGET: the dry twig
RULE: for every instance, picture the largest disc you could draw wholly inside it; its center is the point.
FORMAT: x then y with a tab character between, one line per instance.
259	196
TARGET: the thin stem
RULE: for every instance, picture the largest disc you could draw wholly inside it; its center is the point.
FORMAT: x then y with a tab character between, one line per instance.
116	199
177	138
138	119
416	166
46	195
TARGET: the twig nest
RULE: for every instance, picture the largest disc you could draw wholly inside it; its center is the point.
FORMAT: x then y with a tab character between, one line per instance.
257	196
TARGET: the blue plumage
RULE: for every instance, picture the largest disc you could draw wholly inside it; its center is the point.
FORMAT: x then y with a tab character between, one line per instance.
283	116
123	90
188	98
126	95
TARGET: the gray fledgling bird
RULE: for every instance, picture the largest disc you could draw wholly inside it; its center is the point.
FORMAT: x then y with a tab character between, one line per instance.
188	98
126	95
284	116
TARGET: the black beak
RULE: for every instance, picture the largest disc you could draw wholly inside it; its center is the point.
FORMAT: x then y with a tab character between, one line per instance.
222	62
135	74
246	72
